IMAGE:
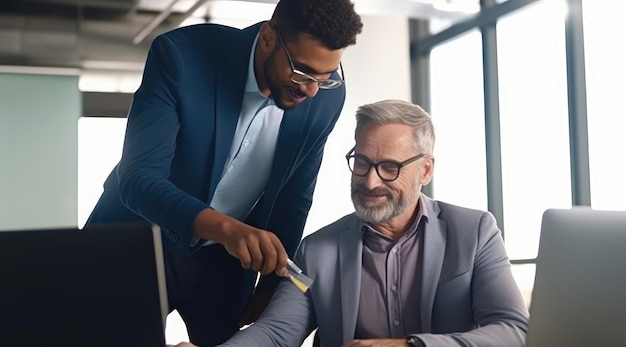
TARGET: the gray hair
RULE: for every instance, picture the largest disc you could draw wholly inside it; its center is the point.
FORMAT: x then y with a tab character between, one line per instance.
400	112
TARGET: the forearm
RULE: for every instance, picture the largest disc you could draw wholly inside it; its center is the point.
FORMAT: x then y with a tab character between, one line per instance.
160	202
503	334
215	226
286	322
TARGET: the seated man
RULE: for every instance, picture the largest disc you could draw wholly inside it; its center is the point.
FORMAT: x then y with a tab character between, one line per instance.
403	270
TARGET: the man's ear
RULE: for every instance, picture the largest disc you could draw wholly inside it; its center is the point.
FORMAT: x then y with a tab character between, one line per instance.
428	167
267	37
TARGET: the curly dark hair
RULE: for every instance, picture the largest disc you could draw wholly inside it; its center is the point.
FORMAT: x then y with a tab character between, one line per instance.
333	22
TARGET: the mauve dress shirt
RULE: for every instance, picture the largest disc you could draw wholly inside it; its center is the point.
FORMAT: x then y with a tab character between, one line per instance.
389	305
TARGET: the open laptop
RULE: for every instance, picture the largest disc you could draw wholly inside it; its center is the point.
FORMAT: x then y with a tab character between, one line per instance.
102	286
579	296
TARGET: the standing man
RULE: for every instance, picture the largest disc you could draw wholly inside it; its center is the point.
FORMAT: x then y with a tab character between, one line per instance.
403	270
224	141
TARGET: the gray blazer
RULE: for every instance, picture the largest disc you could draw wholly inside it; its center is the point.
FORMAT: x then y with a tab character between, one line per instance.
468	294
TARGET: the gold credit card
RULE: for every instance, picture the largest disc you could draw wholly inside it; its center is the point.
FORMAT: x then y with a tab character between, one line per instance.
297	277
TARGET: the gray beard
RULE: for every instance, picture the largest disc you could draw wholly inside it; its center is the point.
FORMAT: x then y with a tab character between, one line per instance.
374	213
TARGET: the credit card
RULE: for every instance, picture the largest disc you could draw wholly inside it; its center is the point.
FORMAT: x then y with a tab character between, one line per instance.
297	277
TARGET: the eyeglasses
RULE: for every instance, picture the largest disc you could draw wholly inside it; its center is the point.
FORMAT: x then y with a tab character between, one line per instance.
300	77
387	170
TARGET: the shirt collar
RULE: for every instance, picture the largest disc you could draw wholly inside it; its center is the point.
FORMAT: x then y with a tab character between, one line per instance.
422	214
251	83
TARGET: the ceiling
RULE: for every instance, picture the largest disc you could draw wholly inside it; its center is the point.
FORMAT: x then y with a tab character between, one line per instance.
115	34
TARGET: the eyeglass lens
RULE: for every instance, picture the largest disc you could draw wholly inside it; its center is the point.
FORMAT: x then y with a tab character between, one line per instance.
386	170
300	77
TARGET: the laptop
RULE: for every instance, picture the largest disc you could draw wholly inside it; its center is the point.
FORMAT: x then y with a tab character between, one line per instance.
102	286
579	296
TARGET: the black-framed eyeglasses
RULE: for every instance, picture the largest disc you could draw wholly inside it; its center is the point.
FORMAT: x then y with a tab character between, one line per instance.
300	77
387	170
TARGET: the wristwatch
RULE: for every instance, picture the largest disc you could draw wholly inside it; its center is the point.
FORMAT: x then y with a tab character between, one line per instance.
415	341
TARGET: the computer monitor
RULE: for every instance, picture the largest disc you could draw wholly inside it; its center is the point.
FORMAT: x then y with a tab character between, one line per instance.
579	296
102	286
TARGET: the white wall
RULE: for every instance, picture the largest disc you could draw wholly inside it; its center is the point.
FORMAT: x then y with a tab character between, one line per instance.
38	150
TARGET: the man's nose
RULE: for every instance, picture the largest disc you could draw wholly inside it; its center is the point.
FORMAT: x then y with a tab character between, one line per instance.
310	89
371	180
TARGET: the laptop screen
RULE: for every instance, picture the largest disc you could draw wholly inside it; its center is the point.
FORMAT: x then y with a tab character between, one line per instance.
579	297
102	286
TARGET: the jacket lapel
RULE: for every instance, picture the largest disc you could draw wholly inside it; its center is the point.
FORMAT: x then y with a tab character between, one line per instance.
350	254
231	79
292	131
434	247
288	146
350	250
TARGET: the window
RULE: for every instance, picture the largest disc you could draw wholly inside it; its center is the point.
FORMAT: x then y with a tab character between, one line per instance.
534	122
605	75
457	108
100	143
446	13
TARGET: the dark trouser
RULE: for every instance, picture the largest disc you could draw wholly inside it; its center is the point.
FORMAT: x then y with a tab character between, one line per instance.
207	290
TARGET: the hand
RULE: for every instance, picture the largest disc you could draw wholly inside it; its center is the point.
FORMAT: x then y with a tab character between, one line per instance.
255	307
378	343
255	248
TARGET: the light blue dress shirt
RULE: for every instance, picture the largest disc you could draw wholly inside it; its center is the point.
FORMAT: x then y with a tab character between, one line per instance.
249	162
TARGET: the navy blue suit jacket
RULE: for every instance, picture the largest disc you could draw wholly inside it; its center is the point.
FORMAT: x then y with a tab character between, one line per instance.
180	130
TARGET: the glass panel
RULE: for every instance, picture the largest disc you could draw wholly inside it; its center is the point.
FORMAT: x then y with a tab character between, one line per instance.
525	277
444	20
605	74
445	13
100	143
534	121
458	114
38	115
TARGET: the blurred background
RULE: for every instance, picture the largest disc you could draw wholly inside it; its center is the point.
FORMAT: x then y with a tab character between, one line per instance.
525	96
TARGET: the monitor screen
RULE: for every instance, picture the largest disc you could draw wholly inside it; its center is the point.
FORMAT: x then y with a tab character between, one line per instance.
102	286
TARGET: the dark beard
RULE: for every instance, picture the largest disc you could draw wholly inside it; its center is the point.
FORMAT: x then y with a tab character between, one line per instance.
276	92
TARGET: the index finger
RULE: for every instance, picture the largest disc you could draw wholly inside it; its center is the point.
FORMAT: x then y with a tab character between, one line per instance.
281	260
